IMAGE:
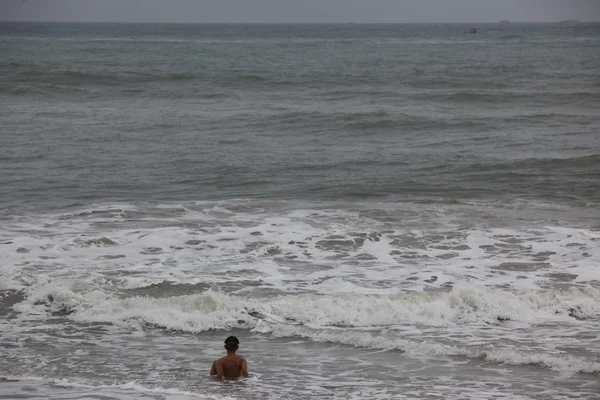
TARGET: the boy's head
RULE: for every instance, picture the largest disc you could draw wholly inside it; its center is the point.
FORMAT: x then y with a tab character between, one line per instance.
232	343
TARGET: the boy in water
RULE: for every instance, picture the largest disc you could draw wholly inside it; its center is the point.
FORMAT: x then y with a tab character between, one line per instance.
231	366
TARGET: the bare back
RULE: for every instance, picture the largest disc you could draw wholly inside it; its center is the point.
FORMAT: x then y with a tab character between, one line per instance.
231	366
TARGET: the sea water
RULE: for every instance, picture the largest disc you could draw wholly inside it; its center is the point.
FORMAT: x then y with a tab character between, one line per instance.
376	211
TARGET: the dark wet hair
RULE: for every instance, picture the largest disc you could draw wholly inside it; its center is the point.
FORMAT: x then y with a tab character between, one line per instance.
232	343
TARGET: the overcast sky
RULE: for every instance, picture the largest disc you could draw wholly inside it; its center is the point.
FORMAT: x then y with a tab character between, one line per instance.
299	10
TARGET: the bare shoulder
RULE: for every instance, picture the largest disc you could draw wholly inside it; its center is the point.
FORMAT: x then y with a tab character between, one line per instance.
242	358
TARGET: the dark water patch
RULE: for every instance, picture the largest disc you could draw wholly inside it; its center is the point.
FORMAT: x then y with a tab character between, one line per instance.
103	82
8	298
446	82
194	242
195	91
340	244
44	89
103	241
521	266
55	308
96	76
63	77
562	276
151	250
473	96
478	96
365	257
582	314
588	165
557	119
362	123
62	312
447	256
254	246
108	213
245	77
153	213
512	37
411	123
440	201
352	93
112	257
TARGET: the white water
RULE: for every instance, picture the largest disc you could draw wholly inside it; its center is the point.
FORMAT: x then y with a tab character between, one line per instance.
411	279
375	250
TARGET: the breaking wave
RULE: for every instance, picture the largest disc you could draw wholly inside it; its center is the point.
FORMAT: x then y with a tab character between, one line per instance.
391	322
210	310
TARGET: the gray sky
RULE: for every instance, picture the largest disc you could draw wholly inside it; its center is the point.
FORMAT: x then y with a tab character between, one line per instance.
299	10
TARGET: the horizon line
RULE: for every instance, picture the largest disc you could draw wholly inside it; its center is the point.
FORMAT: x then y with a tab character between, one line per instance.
506	22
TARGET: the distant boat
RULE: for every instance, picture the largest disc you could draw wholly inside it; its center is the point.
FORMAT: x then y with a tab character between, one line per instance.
504	21
472	30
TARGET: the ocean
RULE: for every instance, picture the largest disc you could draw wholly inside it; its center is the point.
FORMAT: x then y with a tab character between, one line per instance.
375	211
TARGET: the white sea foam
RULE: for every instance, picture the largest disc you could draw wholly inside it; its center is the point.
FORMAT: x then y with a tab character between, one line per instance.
505	355
402	276
125	390
134	386
216	310
314	388
374	250
464	322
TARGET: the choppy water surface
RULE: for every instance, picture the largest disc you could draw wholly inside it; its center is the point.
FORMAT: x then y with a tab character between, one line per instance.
378	211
